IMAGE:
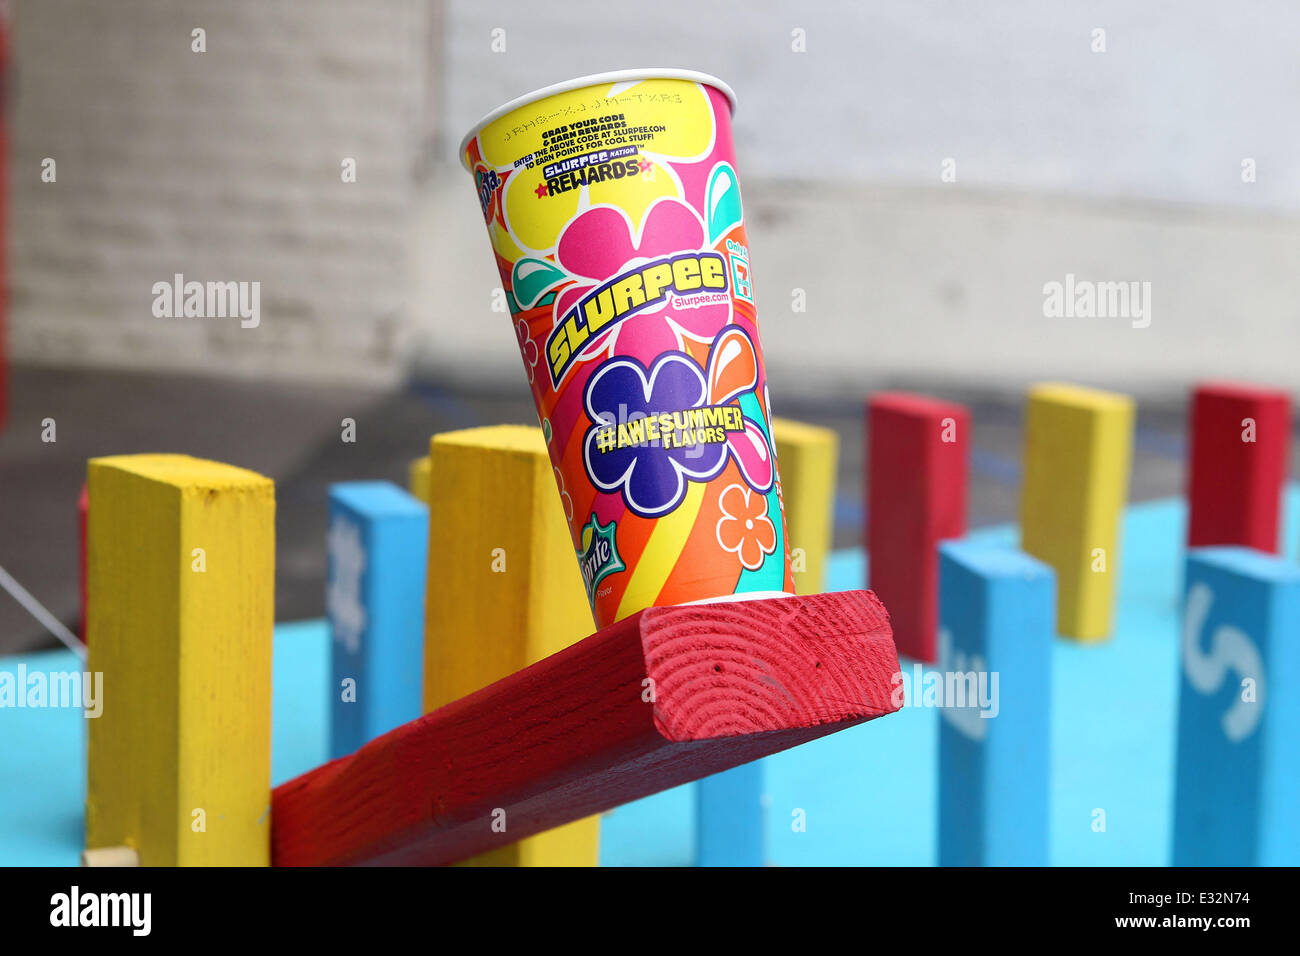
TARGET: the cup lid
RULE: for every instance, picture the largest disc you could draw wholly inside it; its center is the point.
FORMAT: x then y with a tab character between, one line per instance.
594	79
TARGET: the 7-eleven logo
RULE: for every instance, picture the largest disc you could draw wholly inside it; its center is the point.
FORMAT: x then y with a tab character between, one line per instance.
740	278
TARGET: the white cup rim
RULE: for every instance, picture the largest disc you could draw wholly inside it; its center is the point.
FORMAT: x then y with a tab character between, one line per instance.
594	79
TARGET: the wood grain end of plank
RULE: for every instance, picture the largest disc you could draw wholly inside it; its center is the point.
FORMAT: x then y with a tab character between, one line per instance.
749	667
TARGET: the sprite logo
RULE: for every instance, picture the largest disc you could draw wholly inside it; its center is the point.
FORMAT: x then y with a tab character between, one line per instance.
599	557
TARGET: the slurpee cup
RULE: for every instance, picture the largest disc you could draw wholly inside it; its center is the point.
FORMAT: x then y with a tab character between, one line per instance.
614	209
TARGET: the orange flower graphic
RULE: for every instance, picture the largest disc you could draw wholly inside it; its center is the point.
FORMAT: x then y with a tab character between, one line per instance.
744	527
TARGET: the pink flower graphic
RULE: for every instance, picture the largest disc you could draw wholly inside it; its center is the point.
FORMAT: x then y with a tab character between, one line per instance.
601	242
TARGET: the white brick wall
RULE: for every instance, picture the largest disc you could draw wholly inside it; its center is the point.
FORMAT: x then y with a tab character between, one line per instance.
223	165
1011	89
904	285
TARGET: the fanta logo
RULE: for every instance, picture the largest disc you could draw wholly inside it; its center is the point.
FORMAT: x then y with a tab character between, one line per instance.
488	182
626	294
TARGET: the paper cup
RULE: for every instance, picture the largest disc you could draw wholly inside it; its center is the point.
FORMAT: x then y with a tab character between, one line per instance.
614	210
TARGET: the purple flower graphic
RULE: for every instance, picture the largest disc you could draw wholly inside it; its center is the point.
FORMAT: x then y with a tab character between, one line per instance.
651	473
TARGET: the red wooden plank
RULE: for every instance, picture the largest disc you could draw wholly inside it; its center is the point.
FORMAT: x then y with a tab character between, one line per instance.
576	734
919	453
1234	486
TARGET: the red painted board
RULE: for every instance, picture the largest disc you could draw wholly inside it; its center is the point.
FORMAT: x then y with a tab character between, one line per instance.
919	461
1234	486
580	731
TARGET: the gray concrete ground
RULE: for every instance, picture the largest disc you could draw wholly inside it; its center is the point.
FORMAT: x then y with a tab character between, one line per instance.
292	434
